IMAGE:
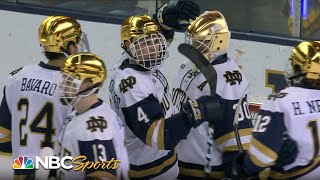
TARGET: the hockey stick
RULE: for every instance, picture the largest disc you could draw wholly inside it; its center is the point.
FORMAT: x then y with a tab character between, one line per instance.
236	120
211	76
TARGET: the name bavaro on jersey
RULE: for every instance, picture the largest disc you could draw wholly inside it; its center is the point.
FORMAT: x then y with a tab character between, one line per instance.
38	85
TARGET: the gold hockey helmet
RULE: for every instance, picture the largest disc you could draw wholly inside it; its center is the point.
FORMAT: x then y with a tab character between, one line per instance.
307	57
147	45
78	68
55	32
85	66
209	33
136	27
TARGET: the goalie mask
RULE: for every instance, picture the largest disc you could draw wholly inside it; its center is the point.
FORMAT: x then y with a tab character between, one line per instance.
80	68
147	46
305	64
57	32
209	33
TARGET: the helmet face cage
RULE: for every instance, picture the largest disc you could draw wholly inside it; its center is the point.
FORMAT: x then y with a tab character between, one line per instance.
149	51
204	45
68	89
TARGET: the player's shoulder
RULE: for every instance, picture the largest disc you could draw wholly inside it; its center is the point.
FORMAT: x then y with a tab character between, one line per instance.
275	102
21	72
186	64
228	65
129	78
100	108
96	123
132	84
186	70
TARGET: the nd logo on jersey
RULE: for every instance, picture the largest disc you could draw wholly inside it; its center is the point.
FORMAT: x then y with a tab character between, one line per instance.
127	83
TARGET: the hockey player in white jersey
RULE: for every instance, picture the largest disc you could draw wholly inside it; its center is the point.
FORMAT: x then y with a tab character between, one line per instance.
30	117
210	35
289	120
139	93
93	129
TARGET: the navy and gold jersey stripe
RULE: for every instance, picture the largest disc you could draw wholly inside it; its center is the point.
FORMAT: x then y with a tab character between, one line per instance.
264	149
5	142
101	175
295	172
6	133
155	168
5	153
155	125
257	162
150	132
195	171
231	135
245	146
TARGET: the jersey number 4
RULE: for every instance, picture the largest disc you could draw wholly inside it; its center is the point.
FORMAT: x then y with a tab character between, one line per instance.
37	126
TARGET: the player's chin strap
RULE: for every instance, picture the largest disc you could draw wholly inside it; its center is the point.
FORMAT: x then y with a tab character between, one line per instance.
66	52
88	89
79	95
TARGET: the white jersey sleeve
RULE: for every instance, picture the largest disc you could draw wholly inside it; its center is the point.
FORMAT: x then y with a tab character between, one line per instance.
292	113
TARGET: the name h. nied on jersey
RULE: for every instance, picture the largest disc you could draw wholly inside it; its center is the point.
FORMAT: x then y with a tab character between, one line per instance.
313	107
38	85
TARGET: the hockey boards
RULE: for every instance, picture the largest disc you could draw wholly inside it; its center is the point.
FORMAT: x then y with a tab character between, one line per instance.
211	76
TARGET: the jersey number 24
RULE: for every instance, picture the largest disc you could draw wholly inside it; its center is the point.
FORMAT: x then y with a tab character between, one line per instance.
45	113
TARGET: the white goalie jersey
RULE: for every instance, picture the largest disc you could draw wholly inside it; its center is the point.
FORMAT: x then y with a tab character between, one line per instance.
231	85
97	135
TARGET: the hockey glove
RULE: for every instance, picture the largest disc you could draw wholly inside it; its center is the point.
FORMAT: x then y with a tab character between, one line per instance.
177	14
287	154
206	108
238	171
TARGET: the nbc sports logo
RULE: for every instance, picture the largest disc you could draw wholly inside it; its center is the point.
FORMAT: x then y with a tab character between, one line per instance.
23	162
